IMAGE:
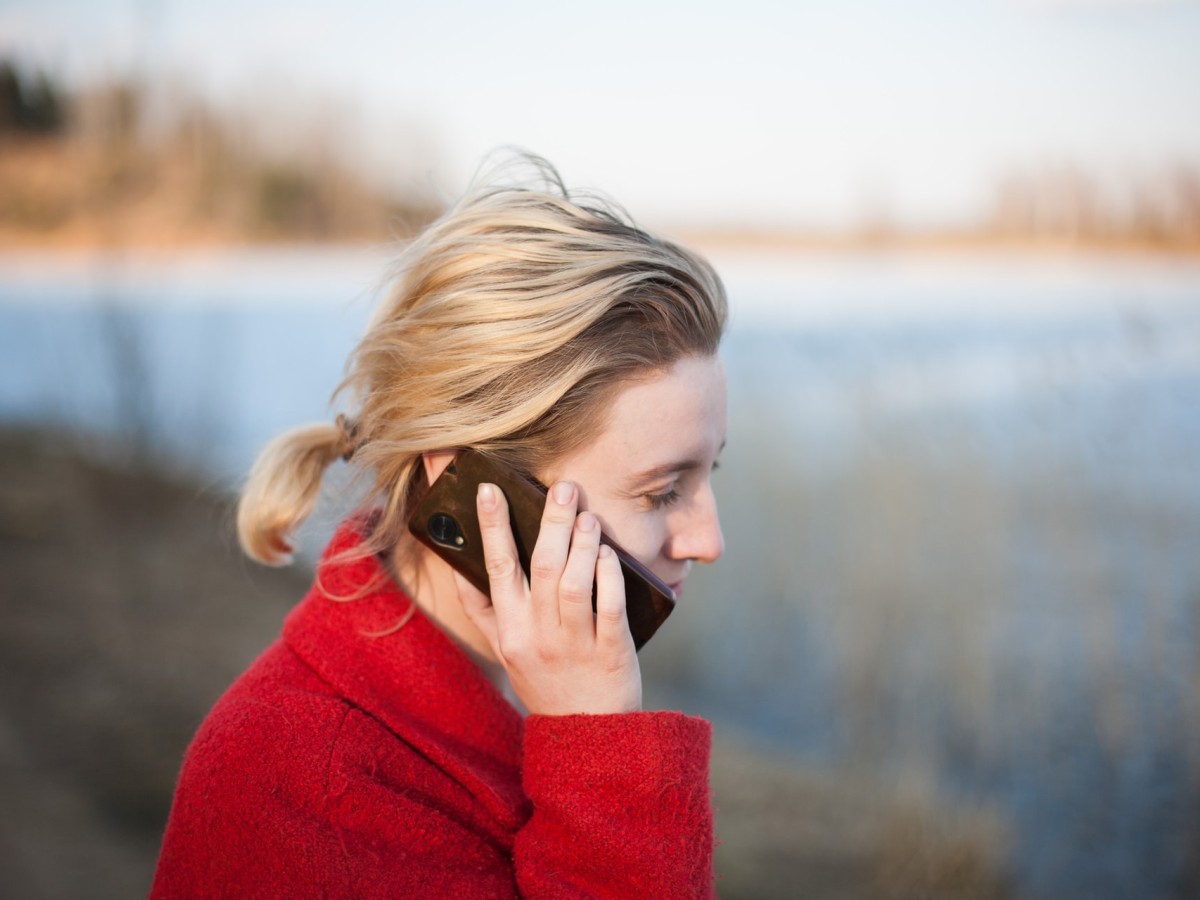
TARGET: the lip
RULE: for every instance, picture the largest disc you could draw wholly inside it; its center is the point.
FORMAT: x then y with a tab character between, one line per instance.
676	589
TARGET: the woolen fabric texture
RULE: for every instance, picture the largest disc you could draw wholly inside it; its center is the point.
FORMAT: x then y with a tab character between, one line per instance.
358	759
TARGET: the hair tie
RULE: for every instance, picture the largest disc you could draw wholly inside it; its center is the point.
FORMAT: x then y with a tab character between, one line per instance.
350	442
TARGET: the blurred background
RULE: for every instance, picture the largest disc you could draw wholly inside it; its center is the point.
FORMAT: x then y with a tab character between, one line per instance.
953	649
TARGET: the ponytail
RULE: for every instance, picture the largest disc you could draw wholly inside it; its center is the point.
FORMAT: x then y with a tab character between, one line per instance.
283	487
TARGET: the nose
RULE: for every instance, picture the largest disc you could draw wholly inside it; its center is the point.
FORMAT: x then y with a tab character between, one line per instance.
699	536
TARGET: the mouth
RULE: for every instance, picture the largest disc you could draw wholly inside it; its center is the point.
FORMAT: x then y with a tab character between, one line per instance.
677	588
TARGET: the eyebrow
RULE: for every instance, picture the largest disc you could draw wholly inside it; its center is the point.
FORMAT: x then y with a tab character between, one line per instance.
671	468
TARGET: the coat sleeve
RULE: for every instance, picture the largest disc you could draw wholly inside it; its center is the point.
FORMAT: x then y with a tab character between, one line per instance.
620	807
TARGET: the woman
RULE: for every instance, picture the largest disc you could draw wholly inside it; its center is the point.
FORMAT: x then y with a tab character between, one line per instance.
372	751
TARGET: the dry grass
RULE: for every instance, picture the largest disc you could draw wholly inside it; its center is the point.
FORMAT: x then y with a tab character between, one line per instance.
786	831
124	614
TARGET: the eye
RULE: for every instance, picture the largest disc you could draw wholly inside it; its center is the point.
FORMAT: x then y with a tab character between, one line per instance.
661	500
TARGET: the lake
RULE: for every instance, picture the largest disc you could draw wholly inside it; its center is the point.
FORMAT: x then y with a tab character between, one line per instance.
961	498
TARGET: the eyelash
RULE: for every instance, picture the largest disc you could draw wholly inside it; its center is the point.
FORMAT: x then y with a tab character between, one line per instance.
660	501
668	497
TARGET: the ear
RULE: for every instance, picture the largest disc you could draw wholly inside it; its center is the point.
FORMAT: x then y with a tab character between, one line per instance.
435	462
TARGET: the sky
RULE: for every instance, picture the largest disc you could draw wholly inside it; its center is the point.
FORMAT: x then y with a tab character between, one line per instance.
751	114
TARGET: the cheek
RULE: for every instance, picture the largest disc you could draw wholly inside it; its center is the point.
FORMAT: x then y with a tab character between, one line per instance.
641	535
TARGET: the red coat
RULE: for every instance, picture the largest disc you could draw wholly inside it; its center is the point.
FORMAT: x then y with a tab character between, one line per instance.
350	763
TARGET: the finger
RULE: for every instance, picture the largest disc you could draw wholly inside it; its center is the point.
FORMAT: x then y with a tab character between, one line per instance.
550	552
505	578
575	588
612	626
479	610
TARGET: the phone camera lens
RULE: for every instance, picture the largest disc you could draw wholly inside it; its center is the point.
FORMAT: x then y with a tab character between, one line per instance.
445	531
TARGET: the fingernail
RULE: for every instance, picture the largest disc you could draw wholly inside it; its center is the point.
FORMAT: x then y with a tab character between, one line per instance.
562	493
586	521
487	496
605	551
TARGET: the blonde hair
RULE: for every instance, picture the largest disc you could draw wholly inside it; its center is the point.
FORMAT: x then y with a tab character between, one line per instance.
509	325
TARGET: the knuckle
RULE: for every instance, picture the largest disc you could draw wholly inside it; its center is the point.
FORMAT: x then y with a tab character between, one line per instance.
613	665
543	566
513	644
558	515
500	566
490	528
575	590
611	613
546	653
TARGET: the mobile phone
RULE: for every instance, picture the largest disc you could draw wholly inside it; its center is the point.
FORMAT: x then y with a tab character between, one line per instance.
446	521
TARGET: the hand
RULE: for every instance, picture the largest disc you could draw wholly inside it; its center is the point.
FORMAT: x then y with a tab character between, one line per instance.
560	658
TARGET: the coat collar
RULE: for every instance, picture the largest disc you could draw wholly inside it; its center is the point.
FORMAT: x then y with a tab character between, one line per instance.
380	652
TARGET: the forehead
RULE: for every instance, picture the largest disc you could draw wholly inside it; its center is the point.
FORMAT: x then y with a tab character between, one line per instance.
673	415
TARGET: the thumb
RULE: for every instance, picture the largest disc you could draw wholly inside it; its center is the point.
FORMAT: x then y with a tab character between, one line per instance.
478	607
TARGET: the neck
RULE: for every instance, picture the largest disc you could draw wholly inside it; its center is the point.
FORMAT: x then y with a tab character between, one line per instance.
429	581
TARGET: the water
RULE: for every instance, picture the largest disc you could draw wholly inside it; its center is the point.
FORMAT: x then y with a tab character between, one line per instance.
961	500
204	358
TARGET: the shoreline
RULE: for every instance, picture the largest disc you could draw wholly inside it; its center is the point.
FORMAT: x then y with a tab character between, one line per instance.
712	241
86	258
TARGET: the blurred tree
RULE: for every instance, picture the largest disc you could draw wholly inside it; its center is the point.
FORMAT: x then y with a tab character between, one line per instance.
1067	204
31	104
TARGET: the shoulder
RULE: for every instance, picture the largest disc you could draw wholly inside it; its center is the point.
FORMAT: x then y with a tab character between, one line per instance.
248	807
282	744
277	711
291	788
262	753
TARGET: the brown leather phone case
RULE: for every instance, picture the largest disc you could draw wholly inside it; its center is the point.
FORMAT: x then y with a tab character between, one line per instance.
445	521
